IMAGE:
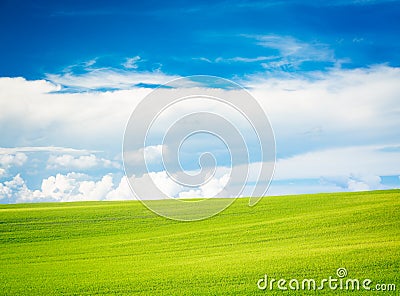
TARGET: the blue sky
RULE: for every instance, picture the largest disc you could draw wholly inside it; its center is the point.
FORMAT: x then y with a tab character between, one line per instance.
71	72
177	36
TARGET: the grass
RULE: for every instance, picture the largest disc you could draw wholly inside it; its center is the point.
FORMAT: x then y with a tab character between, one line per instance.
121	248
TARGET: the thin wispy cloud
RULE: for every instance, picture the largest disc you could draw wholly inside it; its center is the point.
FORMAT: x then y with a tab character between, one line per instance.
52	149
283	54
245	59
294	52
113	79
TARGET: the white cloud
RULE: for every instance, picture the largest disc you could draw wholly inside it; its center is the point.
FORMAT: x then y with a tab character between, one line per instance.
59	187
152	154
75	187
131	63
343	104
65	188
9	160
80	187
121	192
164	183
347	161
210	189
109	78
15	190
82	162
152	184
325	184
336	124
346	107
245	59
352	168
37	116
15	150
292	52
203	59
337	170
355	185
90	190
291	47
283	53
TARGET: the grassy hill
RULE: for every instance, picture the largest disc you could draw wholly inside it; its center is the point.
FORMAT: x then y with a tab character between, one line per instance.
89	248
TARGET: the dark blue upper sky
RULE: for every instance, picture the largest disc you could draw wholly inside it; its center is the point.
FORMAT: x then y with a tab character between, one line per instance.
183	38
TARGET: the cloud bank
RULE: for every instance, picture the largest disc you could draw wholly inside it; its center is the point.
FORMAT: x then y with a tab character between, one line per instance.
338	130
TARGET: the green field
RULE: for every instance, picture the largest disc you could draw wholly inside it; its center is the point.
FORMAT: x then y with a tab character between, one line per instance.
121	248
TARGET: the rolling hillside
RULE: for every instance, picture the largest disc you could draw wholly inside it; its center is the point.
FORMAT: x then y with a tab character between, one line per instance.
89	248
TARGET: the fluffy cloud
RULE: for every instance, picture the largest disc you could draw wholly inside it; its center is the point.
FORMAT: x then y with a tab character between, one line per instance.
150	153
121	192
62	187
81	187
8	160
343	169
63	119
65	188
355	185
16	190
82	162
209	189
163	182
212	187
337	108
